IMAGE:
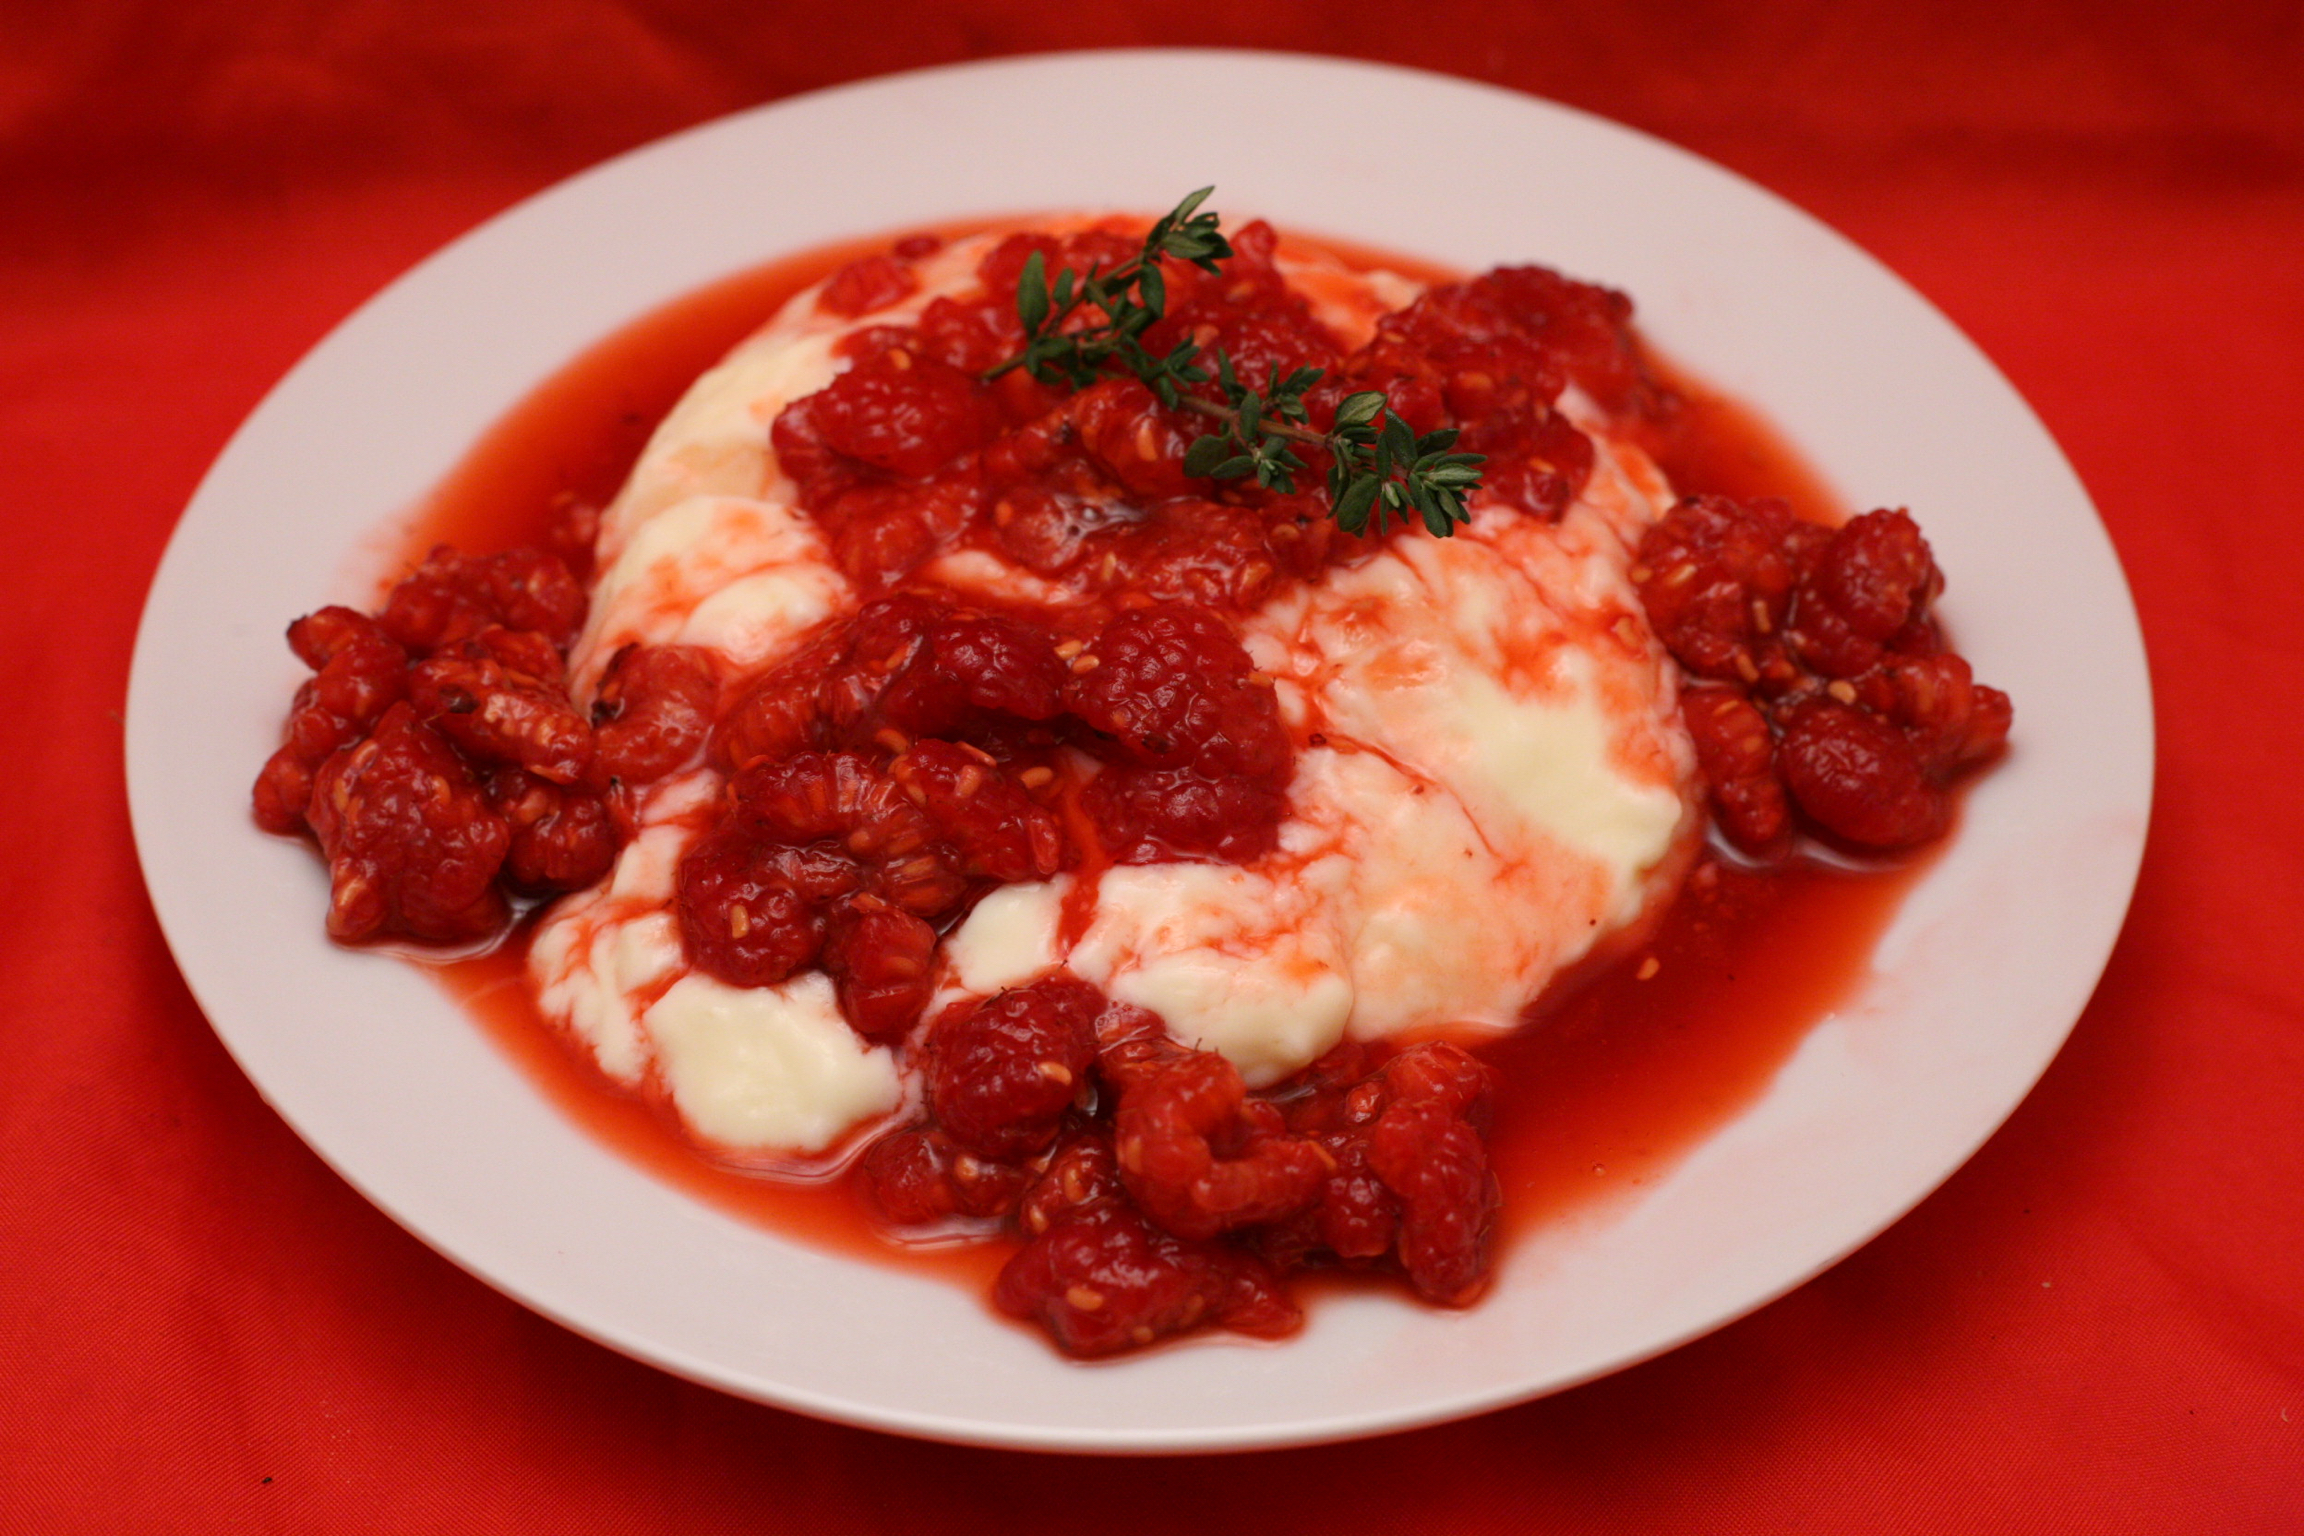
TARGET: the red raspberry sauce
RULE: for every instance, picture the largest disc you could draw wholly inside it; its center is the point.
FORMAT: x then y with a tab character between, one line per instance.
1640	1060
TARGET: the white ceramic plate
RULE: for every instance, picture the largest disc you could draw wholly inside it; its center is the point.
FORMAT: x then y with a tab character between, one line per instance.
1977	983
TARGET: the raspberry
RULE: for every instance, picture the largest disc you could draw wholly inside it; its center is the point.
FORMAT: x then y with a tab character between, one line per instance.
1417	1129
880	532
1265	346
1444	1076
1538	460
967	665
1586	328
1151	815
1356	1217
1044	451
880	959
776	718
502	697
652	711
1106	1280
1497	387
1047	530
831	797
320	638
1191	552
282	792
1130	437
1318	1099
1004	263
415	839
574	531
895	411
1737	754
1438	1166
1716	577
918	1176
913	667
411	844
974	338
1859	778
818	873
1871	714
875	282
1080	1173
1173	689
452	597
1466	355
1544	329
1410	381
1266	329
1003	1071
1201	1158
1359	1216
1409	1172
563	839
528	589
361	673
1827	644
738	919
822	855
1133	1046
1876	573
1952	720
998	831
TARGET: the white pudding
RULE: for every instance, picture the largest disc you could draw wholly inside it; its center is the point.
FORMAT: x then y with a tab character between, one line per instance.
1492	779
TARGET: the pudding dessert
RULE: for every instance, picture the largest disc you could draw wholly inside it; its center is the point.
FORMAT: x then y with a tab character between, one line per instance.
1086	729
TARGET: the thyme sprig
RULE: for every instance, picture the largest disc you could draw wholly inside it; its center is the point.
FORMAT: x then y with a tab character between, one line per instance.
1083	327
1130	298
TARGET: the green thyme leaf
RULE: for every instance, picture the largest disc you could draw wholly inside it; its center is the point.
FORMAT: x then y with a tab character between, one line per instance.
1201	459
1032	293
1154	288
1352	507
1378	467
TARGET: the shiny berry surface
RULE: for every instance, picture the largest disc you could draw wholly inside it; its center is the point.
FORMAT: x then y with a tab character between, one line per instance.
1201	1158
1002	1072
1101	1279
435	753
563	838
502	698
920	1177
452	597
1839	711
1198	760
360	673
411	843
652	711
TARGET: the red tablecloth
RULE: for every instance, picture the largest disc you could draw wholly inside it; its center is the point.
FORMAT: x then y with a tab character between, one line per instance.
2097	1326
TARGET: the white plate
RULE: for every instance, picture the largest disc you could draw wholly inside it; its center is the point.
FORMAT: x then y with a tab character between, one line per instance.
1977	983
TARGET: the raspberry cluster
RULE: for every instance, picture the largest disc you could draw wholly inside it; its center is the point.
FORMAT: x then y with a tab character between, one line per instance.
922	752
436	756
1153	1193
1827	700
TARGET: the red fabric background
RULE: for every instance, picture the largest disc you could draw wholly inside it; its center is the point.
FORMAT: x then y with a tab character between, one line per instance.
2097	1326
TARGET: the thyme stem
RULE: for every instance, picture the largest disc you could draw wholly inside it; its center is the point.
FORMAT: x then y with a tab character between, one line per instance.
1378	467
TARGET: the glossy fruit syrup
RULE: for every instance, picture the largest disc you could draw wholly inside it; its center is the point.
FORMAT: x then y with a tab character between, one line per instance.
1630	1064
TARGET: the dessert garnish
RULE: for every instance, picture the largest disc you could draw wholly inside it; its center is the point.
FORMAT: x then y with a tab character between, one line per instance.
1377	466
